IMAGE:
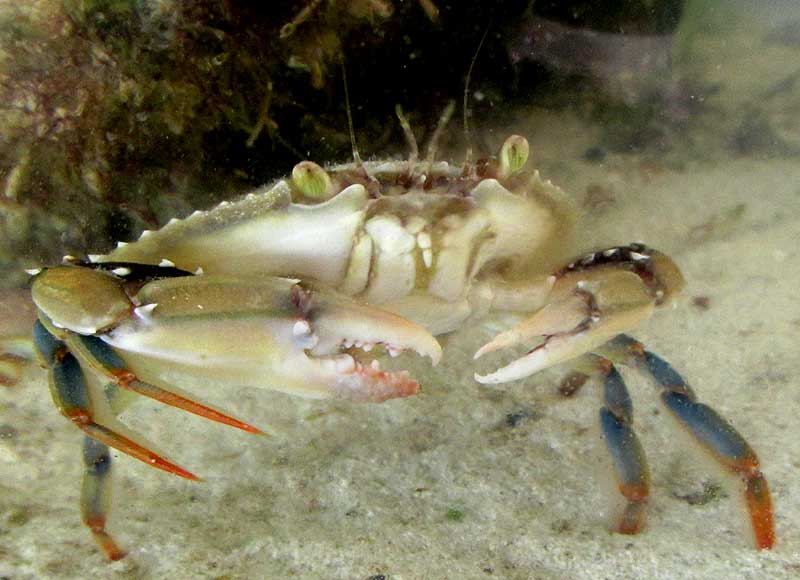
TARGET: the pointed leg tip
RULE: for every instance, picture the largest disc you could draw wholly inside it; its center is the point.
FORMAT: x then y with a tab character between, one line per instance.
629	529
256	431
483	379
759	504
117	555
163	464
485	349
766	542
189	475
763	527
244	427
109	547
632	520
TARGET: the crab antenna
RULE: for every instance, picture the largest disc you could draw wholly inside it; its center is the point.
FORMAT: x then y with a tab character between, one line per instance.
468	156
433	144
413	155
356	156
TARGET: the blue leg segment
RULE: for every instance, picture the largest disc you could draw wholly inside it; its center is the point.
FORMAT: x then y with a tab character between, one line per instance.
96	495
72	397
627	455
713	432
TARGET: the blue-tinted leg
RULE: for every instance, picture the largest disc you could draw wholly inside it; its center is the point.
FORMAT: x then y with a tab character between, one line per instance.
96	495
713	432
71	396
108	363
627	455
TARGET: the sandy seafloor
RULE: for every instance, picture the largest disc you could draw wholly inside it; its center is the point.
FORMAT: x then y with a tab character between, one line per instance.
445	485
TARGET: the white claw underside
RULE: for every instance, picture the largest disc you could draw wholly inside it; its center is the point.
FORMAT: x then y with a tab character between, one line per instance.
556	317
571	327
554	350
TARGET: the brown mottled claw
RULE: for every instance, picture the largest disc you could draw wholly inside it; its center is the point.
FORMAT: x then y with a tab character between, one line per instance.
592	299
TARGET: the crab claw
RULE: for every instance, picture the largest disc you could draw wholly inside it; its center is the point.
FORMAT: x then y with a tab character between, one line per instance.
594	299
265	332
332	324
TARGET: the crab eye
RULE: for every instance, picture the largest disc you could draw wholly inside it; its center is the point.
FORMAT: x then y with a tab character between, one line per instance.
311	181
513	155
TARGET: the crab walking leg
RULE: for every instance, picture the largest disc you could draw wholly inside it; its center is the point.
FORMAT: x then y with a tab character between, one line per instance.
627	455
714	433
71	396
106	362
96	495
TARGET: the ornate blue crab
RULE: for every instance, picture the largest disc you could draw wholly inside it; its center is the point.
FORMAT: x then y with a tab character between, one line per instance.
291	287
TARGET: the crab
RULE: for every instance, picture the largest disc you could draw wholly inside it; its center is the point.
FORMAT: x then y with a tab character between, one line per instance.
295	286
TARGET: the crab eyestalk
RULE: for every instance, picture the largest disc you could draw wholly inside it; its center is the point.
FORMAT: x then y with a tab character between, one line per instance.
312	181
513	156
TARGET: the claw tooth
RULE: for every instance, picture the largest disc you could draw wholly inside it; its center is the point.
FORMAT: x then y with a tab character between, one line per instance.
375	365
427	257
164	263
345	364
367	347
554	350
145	311
304	336
371	325
301	328
424	240
394	351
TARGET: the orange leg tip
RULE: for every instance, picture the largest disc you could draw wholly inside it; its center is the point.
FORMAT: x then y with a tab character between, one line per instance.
632	521
759	504
246	427
129	381
110	548
163	464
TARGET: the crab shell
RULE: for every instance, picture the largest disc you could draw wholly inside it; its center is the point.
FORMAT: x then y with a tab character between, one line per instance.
391	254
